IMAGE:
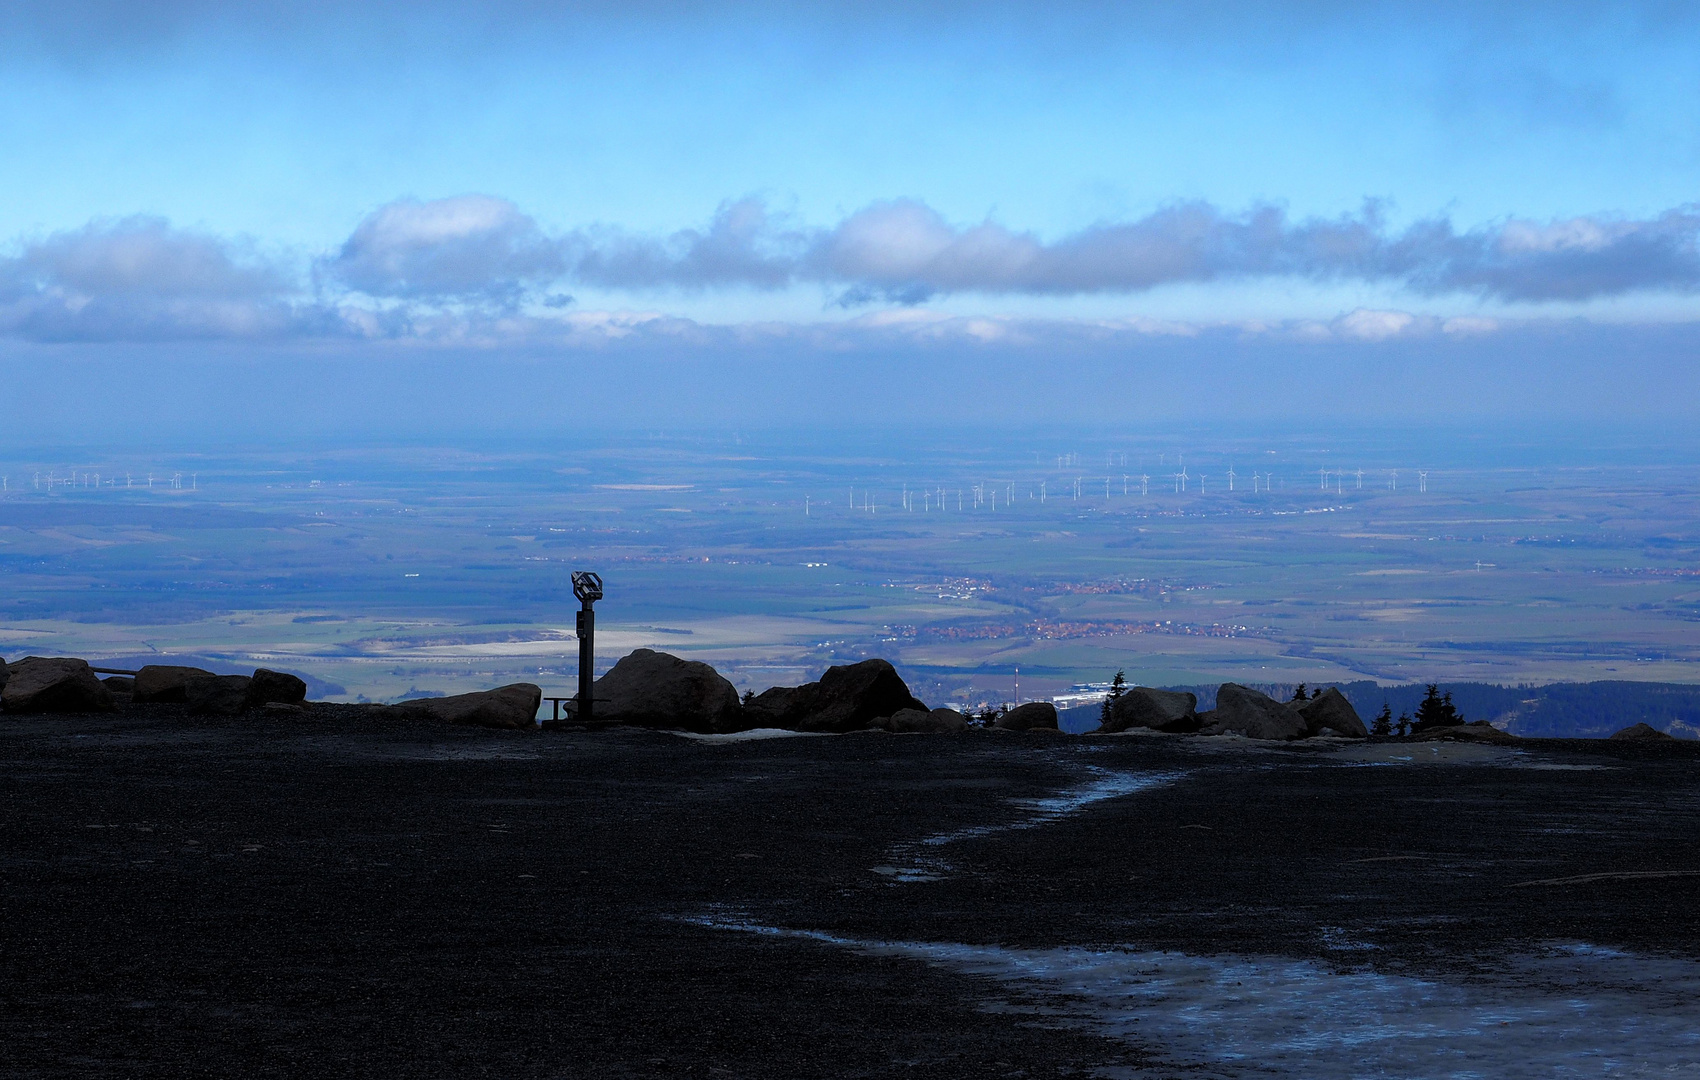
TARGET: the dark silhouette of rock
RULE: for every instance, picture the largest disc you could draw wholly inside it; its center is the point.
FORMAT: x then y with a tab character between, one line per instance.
120	684
54	684
275	686
771	707
165	682
1475	731
1641	731
1033	716
1330	709
513	707
914	720
3	670
217	695
847	697
1160	710
656	689
1243	711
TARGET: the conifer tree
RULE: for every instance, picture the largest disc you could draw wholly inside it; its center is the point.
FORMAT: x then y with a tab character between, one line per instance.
1383	721
1118	687
1436	711
1299	693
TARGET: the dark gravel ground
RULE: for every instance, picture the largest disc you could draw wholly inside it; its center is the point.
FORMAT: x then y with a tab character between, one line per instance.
338	894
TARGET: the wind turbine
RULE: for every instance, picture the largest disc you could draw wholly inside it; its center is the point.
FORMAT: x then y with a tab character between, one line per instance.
1393	484
1322	476
1360	479
1422	480
1230	476
1144	484
1184	477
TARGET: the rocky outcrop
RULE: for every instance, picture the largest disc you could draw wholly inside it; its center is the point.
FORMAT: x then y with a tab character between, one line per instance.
1033	716
119	684
1476	731
1641	731
656	689
1330	711
847	697
1240	710
165	682
217	695
911	721
3	670
280	687
513	706
53	684
1159	710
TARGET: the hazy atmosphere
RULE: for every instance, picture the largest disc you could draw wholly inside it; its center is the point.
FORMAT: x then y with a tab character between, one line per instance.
849	540
498	216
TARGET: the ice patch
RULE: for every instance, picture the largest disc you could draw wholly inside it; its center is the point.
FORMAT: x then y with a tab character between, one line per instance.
1569	1011
913	861
751	735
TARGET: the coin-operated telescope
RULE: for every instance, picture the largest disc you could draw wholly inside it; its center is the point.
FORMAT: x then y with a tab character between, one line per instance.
588	588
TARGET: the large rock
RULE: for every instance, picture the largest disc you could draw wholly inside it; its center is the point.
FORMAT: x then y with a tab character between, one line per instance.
1641	731
914	720
165	682
1475	731
847	697
1330	709
512	706
1243	711
217	695
275	686
1033	716
1160	710
54	684
2	674
656	689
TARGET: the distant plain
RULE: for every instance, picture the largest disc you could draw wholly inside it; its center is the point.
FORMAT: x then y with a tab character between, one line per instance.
384	571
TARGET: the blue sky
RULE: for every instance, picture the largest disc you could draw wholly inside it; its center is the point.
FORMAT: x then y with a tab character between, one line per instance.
961	185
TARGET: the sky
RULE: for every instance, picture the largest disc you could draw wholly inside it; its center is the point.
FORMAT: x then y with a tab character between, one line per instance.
764	213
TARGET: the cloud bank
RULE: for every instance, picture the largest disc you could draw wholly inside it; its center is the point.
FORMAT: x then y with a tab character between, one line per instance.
478	268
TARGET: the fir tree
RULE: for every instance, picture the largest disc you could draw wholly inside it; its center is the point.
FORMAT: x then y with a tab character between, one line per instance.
1118	687
1436	711
1403	727
749	696
1299	693
1383	721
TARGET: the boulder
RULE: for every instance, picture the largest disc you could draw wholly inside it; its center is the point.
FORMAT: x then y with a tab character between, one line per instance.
217	695
847	697
772	707
914	720
1243	711
1033	716
1330	709
120	684
1641	731
2	674
1475	731
165	682
269	686
1160	710
513	706
656	689
54	684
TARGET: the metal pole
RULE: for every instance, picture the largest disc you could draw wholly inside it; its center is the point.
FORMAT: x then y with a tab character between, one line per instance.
588	588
